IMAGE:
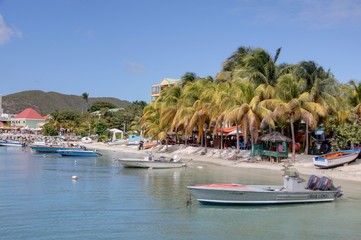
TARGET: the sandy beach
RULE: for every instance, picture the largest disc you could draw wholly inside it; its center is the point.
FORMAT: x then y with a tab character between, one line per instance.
219	157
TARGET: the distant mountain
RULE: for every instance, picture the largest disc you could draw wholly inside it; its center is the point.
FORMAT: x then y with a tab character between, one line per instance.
47	102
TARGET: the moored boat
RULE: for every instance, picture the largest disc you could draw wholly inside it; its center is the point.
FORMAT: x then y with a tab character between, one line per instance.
293	190
52	148
334	159
11	143
78	153
149	162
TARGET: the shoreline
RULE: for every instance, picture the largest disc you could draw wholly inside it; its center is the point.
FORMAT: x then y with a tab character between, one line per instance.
303	163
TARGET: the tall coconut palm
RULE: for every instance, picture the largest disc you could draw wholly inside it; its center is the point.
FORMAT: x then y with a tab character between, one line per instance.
355	98
321	86
234	66
85	96
188	77
243	111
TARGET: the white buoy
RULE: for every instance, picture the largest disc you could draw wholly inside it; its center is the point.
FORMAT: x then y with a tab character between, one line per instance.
74	177
199	167
75	162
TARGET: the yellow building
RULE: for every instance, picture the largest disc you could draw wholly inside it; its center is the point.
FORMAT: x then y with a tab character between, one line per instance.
157	88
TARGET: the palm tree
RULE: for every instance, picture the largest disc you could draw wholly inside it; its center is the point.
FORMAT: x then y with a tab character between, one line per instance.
188	77
85	96
234	66
355	98
321	86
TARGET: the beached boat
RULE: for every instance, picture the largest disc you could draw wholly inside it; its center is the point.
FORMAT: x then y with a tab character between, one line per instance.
334	159
78	153
293	190
149	162
11	143
86	140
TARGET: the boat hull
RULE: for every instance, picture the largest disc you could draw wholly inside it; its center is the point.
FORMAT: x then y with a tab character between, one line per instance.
335	159
80	153
11	143
128	163
50	149
246	195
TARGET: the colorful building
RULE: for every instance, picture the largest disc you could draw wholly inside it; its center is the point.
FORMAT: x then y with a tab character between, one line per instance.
157	88
29	118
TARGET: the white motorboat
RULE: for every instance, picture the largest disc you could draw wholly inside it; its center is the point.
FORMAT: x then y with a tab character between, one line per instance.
293	190
149	162
11	143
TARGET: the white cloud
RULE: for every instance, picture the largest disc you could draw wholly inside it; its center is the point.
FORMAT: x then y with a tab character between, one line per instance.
134	67
310	13
331	12
6	33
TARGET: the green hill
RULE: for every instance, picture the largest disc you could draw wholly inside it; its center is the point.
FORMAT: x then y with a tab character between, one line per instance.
47	102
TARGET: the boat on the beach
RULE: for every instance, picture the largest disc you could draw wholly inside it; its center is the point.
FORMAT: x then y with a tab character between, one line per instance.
293	190
11	143
334	159
149	162
86	140
78	153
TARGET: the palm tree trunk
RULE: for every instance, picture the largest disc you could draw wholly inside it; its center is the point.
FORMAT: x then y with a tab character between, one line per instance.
307	140
252	146
293	141
222	138
237	136
205	141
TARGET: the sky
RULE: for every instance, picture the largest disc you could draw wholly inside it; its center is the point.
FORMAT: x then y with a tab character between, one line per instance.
119	48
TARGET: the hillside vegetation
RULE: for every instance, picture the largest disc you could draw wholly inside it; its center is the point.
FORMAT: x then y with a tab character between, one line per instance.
47	102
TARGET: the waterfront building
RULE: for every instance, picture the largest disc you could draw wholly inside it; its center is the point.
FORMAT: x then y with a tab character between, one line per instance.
157	88
29	119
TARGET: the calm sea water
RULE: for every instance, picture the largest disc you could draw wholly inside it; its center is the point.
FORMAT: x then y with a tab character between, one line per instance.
39	200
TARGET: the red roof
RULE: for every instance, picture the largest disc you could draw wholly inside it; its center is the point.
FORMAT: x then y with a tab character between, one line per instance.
29	113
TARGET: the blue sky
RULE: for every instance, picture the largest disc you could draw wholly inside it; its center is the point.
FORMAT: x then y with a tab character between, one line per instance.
119	48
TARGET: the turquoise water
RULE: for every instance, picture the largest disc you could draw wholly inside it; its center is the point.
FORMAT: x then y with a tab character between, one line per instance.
39	200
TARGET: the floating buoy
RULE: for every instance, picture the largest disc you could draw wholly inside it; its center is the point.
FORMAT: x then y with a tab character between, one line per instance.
199	167
74	177
75	161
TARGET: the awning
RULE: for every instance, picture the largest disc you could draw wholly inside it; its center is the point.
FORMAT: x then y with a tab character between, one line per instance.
226	130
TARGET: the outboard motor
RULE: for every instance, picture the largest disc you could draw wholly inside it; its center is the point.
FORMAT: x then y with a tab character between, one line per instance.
325	184
312	182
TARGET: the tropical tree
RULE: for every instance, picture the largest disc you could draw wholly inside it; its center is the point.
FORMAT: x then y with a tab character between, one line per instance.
355	98
85	96
188	77
98	105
